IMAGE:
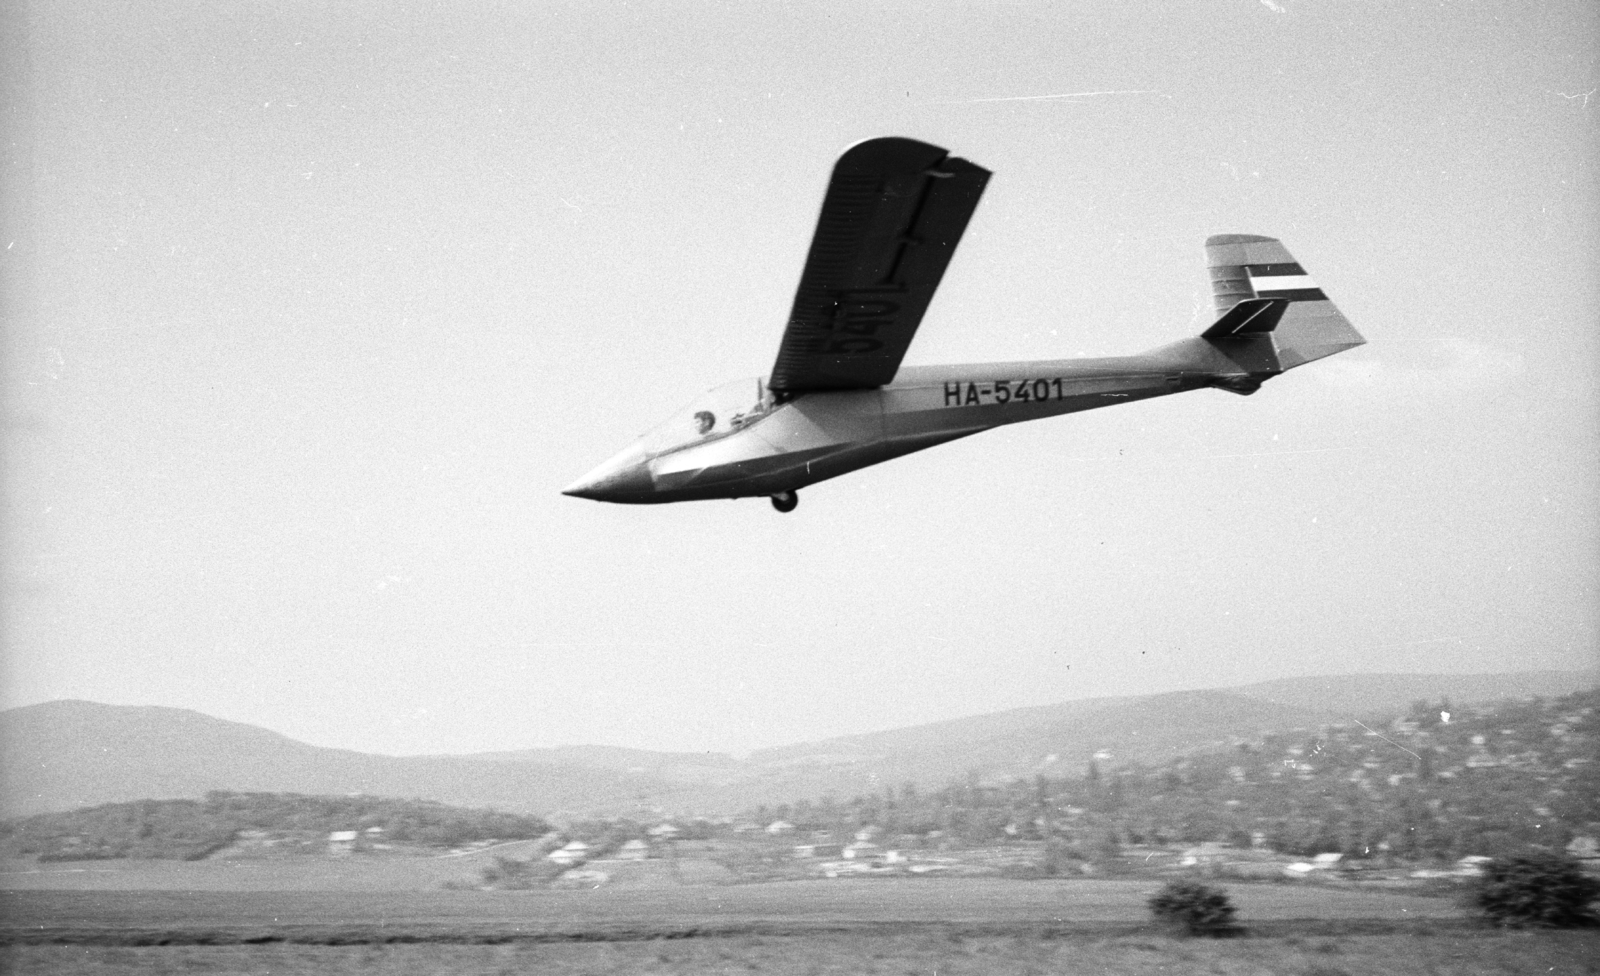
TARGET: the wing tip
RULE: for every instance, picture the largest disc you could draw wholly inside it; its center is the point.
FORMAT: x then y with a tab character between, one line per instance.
890	154
1216	239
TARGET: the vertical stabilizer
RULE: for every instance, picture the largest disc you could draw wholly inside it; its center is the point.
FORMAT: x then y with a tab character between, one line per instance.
1245	267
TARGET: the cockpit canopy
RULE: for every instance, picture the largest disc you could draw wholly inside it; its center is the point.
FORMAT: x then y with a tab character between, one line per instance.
715	413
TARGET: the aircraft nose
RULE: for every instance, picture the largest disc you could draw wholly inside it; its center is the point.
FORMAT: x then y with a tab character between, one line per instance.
624	478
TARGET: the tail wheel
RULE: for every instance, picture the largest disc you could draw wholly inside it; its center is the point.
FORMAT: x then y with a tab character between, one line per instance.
785	501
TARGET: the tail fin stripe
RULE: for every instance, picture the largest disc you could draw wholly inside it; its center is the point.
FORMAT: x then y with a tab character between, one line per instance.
1281	282
1293	294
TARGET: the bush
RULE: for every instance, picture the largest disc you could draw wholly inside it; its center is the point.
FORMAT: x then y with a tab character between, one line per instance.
1539	890
1194	908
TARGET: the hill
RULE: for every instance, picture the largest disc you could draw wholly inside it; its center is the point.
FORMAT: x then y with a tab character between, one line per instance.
1059	740
1431	783
1055	740
67	754
1380	694
70	754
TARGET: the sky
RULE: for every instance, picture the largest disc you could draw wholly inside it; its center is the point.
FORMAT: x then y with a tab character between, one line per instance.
312	309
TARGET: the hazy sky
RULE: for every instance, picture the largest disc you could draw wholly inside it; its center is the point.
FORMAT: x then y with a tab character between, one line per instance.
311	309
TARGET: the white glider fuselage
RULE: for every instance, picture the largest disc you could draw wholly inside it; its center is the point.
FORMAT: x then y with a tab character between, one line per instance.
837	398
712	449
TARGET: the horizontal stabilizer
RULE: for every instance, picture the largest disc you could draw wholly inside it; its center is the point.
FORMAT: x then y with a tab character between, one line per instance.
1250	317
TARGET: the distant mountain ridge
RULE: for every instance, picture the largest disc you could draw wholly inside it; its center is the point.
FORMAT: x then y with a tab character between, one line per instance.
1363	694
66	754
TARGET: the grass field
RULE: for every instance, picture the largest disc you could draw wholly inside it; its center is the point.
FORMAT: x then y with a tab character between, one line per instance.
901	926
929	952
779	907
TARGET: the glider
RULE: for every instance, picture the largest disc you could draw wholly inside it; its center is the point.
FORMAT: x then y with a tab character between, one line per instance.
837	398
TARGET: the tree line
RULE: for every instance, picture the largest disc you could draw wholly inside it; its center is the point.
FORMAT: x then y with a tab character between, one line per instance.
194	829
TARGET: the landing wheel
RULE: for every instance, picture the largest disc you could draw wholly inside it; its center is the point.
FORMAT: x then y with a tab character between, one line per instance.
785	501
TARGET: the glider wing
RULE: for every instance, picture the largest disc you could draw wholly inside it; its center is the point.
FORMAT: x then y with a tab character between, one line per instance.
894	211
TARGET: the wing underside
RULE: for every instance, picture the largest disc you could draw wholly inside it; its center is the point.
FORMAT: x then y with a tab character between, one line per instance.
894	212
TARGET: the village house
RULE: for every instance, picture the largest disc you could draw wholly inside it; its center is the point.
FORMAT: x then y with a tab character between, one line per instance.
571	853
815	849
1322	862
256	838
634	850
342	843
1207	852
